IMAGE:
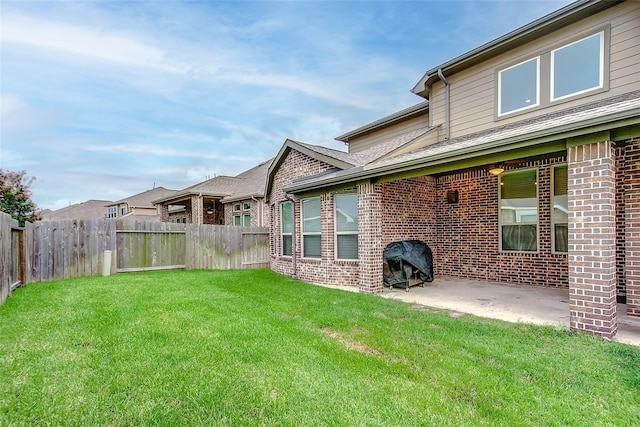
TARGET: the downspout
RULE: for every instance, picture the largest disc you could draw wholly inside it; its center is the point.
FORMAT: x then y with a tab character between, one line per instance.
447	119
293	235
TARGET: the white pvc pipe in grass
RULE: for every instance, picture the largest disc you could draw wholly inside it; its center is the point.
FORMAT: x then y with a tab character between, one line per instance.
106	266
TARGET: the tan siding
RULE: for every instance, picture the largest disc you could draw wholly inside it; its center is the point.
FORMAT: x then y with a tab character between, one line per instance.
382	135
473	90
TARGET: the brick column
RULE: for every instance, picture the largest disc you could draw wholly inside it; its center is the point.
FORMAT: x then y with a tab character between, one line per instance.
196	210
632	226
592	238
370	238
164	213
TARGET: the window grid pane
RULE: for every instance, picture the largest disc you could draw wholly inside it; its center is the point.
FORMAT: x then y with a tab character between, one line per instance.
348	246
519	211
560	209
519	86
346	212
577	67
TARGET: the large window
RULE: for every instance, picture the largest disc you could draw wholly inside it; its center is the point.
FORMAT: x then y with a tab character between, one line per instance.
286	212
519	211
560	217
570	70
112	212
519	87
577	67
311	228
346	215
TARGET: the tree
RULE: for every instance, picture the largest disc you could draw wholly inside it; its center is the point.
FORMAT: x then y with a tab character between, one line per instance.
15	196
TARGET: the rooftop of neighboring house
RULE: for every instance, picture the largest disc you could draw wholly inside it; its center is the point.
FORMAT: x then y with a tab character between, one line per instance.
251	183
248	184
91	209
144	199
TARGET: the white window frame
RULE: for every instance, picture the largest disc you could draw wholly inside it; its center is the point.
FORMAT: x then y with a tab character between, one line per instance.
236	207
553	205
112	212
282	232
343	233
246	206
237	221
244	219
600	85
546	78
310	233
501	223
537	100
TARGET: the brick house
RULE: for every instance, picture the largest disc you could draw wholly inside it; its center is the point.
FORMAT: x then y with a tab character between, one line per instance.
138	205
520	165
237	200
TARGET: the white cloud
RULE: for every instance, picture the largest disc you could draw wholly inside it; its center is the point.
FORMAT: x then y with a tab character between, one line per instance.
167	152
85	41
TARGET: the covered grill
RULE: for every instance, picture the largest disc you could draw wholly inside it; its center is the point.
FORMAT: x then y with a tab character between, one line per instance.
406	260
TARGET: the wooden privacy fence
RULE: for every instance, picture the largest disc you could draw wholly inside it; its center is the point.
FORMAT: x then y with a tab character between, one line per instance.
49	250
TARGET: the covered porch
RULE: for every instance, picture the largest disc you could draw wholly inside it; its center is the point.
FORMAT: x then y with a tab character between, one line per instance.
508	302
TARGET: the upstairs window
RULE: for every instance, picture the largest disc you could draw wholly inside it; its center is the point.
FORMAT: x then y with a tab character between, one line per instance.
286	213
565	72
311	228
112	212
346	215
518	87
519	211
560	217
123	211
577	67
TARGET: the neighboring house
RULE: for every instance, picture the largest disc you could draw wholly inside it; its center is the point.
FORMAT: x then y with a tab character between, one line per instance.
237	200
91	209
522	166
139	205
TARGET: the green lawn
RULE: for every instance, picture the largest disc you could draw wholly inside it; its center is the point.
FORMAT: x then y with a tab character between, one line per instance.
255	348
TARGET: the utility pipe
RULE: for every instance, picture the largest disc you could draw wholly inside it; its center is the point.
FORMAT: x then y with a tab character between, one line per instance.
447	119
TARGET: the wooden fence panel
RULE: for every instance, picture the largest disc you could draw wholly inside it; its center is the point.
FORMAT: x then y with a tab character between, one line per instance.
225	247
146	245
66	249
255	248
49	250
8	255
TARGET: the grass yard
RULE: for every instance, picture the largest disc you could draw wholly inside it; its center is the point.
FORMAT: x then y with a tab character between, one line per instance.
254	348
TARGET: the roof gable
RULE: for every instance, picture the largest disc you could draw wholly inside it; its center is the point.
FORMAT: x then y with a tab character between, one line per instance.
335	158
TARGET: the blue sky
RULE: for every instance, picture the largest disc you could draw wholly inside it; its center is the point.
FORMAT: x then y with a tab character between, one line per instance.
105	99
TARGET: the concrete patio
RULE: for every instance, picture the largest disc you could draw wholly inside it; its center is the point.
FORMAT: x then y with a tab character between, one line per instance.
512	303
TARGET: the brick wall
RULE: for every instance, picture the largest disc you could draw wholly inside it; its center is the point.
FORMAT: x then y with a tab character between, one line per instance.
592	238
632	229
258	210
621	174
468	245
322	270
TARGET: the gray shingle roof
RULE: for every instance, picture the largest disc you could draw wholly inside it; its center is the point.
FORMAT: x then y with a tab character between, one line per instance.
251	183
144	199
546	123
91	209
599	113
